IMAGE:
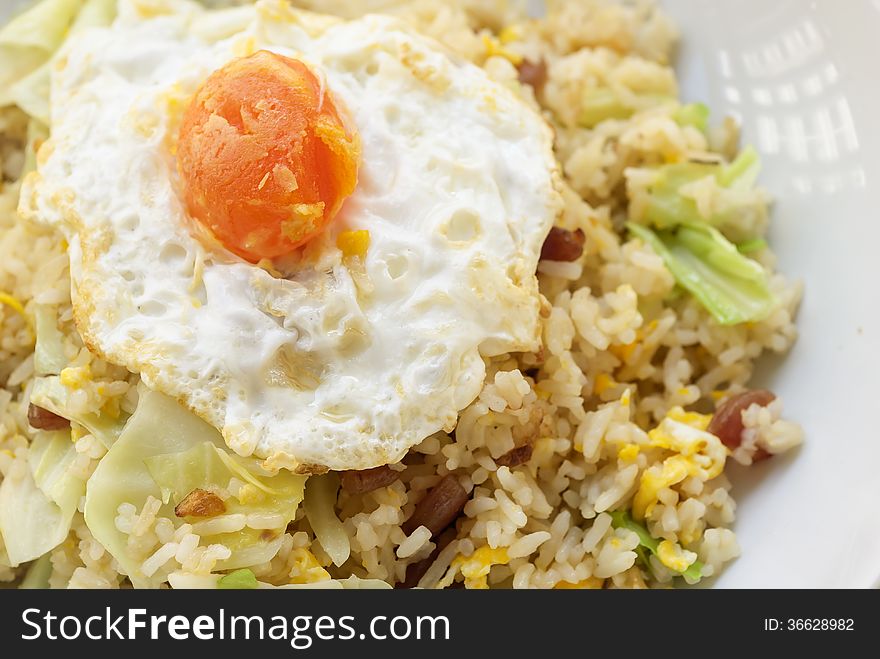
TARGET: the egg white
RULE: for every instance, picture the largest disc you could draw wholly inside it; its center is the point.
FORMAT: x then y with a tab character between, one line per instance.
339	365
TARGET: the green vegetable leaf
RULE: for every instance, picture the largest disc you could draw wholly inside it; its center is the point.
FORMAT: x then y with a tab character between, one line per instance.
732	287
734	205
743	171
620	519
750	246
693	114
38	500
30	42
50	394
242	579
599	104
166	451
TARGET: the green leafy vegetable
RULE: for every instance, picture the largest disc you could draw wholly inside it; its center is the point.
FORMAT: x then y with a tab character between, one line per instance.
50	394
166	451
732	287
319	504
29	43
38	573
693	114
743	171
242	579
736	207
599	104
750	246
620	519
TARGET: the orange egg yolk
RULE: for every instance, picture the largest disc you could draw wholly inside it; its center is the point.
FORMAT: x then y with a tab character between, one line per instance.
265	157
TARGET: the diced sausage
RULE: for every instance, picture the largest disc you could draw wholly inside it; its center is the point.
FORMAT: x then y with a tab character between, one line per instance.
563	245
439	508
367	480
515	456
200	503
42	419
533	74
727	423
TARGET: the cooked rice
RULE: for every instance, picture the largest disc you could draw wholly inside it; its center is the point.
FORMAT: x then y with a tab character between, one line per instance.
620	353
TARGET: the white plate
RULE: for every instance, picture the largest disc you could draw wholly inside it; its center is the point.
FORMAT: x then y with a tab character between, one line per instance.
798	75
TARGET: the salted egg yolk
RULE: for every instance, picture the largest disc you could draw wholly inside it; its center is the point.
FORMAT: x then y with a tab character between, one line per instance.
264	155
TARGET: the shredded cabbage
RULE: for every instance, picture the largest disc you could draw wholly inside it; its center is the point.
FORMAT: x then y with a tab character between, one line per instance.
620	519
732	287
166	451
37	503
38	573
319	504
50	394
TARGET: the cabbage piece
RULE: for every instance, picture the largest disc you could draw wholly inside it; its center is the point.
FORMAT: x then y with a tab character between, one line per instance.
33	42
692	114
750	246
207	466
50	394
38	573
166	451
320	501
37	504
49	357
665	207
243	579
30	523
51	459
732	287
599	104
29	39
620	519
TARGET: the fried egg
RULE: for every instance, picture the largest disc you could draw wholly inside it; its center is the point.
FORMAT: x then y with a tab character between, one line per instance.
372	334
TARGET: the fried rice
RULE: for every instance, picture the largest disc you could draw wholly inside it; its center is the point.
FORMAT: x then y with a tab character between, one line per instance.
628	361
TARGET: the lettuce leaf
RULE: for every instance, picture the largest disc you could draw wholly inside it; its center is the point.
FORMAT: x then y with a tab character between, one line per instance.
50	394
320	501
166	451
732	287
620	519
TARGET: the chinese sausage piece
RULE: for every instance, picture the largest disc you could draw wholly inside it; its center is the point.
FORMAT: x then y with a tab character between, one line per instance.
42	419
439	508
367	480
563	245
727	423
